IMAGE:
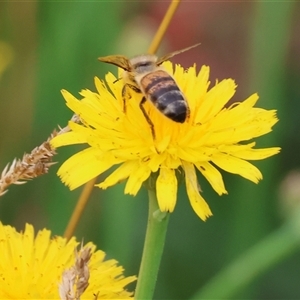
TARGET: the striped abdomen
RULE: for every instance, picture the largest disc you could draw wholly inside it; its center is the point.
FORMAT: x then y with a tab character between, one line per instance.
162	90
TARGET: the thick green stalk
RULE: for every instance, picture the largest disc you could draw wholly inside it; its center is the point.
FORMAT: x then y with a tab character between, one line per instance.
153	249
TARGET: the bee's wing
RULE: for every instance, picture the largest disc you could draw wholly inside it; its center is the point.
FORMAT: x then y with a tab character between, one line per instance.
166	57
117	60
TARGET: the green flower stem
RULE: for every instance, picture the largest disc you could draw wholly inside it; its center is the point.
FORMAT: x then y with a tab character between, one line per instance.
153	249
254	262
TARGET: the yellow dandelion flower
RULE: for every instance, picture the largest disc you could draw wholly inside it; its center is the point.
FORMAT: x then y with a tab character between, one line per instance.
32	267
214	137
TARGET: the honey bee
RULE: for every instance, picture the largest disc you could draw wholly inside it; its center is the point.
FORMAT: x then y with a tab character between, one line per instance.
144	74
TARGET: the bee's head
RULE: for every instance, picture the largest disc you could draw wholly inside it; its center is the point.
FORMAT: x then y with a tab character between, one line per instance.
143	63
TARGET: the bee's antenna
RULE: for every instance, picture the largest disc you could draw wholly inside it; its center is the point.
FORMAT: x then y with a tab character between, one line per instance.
166	57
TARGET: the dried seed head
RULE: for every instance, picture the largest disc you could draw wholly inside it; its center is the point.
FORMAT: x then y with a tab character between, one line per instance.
76	279
31	165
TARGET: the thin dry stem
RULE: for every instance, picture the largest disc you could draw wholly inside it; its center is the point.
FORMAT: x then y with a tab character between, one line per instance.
163	26
80	206
76	279
31	165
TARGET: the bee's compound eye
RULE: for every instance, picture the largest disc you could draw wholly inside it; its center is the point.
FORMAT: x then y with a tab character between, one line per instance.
143	64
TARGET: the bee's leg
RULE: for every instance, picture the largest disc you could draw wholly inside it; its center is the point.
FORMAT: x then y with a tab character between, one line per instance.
125	92
137	90
147	117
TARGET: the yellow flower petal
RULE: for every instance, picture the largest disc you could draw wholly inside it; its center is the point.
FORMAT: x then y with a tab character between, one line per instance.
71	137
219	96
193	190
213	176
238	166
84	166
246	152
166	189
120	174
136	179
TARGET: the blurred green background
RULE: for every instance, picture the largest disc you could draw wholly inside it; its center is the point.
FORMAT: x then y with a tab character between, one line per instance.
55	46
